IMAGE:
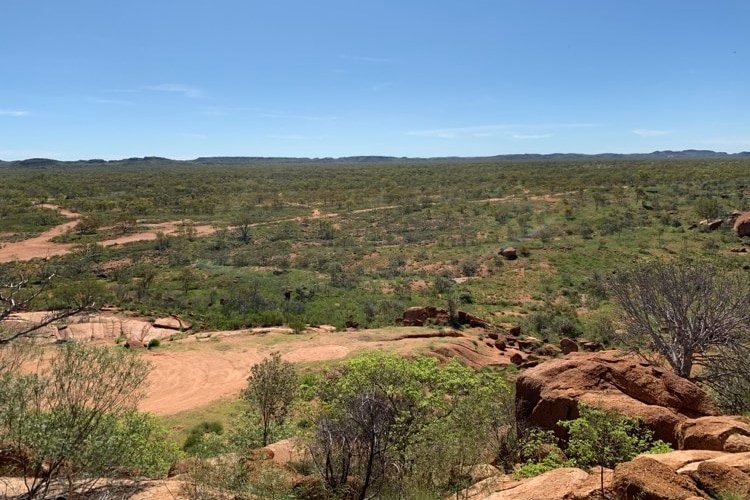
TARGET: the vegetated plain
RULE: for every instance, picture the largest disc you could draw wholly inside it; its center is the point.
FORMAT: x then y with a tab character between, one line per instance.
329	242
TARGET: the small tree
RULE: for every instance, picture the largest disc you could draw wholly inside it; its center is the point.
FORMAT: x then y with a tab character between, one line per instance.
271	389
606	438
686	313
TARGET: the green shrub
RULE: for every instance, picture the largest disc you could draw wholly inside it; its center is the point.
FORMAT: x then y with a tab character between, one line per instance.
201	440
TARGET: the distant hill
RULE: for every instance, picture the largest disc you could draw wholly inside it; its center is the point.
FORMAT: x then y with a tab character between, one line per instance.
691	154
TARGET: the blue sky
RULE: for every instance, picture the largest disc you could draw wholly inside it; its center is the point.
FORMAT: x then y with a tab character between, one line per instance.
189	78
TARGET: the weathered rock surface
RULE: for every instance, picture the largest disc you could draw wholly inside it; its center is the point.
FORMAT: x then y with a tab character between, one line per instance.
647	479
742	225
740	461
422	315
172	323
716	478
551	392
676	460
553	485
737	443
711	433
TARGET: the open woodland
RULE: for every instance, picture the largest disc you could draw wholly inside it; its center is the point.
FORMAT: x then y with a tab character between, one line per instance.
232	246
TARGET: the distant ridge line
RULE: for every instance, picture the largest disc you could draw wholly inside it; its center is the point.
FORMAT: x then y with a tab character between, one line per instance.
369	159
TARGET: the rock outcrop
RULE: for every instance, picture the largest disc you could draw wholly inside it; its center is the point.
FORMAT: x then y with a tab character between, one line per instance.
422	315
647	479
742	225
712	433
551	392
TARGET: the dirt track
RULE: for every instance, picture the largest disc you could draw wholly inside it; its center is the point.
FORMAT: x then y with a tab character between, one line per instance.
41	247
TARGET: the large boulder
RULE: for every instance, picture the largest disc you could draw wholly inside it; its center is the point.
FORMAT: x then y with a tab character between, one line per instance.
711	433
646	479
551	392
742	225
716	479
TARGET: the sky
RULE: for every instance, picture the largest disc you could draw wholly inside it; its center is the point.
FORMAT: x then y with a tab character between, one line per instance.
83	79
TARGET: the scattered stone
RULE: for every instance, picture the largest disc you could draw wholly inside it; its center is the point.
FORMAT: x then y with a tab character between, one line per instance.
738	250
515	330
493	335
500	344
518	358
568	345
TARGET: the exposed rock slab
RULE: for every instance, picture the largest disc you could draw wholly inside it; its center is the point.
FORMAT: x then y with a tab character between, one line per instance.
647	479
553	485
551	391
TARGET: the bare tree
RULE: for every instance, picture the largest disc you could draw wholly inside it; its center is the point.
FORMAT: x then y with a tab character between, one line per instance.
23	293
690	314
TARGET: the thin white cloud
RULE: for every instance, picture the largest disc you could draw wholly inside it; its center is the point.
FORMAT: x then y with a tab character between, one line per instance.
13	112
531	136
177	88
648	132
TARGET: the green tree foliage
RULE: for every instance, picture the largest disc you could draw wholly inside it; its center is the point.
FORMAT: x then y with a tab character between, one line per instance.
605	438
270	391
73	422
387	423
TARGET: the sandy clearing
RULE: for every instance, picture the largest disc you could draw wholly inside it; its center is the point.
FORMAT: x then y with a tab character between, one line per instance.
182	380
189	374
